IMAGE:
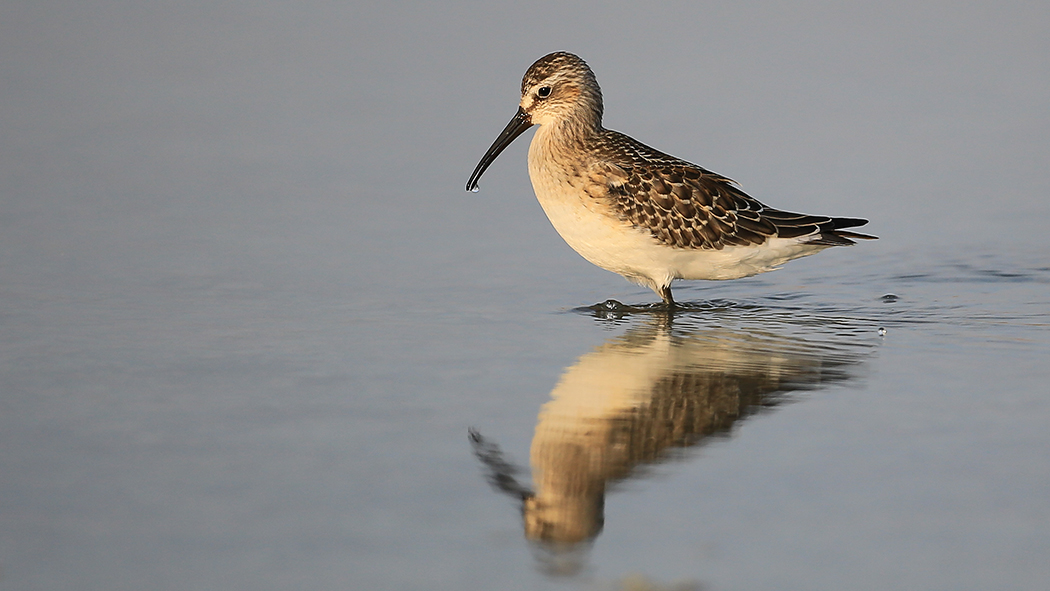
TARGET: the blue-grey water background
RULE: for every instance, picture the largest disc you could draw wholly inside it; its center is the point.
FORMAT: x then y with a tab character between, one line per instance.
248	313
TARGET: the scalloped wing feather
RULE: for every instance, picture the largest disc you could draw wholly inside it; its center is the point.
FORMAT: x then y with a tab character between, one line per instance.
686	206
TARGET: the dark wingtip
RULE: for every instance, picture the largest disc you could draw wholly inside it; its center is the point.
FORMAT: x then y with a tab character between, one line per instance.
841	223
857	235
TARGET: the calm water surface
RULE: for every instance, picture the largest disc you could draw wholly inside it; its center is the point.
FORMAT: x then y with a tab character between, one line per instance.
214	432
254	335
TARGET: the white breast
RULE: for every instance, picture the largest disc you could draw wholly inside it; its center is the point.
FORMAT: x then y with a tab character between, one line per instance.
593	229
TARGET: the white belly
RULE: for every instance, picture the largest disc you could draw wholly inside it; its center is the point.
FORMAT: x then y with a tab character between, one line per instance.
592	229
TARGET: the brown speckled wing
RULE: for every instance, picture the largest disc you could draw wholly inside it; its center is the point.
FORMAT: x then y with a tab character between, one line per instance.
686	206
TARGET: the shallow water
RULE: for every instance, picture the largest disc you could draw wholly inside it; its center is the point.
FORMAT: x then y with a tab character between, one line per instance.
214	433
255	335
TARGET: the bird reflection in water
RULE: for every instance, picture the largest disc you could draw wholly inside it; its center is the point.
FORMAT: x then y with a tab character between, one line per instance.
659	387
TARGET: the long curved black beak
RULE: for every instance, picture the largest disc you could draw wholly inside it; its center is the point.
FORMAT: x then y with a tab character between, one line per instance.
517	126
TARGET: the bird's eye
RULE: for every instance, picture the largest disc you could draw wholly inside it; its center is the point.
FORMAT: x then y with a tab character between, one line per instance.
544	92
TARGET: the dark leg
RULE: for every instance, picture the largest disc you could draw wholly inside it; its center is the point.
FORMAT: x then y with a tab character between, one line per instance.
665	293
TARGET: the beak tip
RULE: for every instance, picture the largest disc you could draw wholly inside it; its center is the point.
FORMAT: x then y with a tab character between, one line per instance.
518	124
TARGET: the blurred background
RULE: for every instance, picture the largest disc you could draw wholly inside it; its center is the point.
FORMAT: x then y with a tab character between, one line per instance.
248	312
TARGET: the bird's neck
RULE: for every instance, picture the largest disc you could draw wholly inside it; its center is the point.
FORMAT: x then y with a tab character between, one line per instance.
573	132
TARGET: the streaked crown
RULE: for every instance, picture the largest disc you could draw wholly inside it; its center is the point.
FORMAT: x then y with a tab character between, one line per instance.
561	86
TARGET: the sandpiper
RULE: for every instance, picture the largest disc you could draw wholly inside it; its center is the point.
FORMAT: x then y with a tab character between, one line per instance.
636	211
